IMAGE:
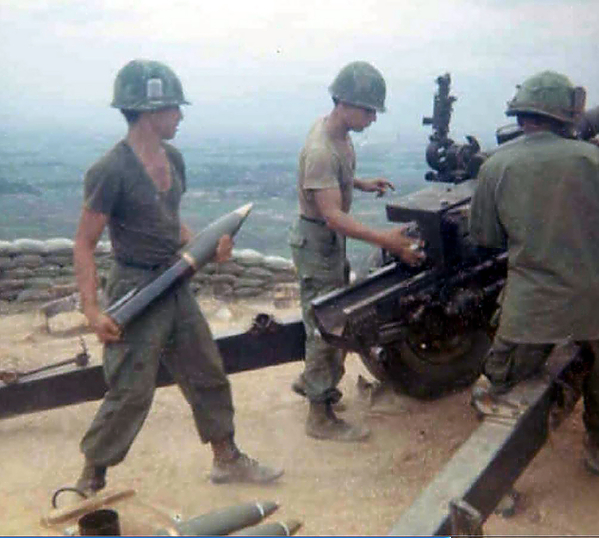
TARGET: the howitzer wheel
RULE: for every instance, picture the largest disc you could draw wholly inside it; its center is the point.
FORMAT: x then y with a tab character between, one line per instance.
425	369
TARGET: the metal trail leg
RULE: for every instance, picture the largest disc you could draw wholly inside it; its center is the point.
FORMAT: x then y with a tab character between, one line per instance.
492	459
465	519
266	344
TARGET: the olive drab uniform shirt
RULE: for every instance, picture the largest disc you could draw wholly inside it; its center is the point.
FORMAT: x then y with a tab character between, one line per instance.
539	196
143	222
318	252
323	164
145	233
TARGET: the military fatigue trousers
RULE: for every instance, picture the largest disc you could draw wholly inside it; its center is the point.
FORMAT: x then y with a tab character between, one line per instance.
319	257
508	363
172	331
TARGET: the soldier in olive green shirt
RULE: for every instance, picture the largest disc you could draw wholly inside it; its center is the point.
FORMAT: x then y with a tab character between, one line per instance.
538	196
326	180
135	191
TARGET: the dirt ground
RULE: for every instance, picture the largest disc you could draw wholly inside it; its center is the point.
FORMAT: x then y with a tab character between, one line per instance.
334	489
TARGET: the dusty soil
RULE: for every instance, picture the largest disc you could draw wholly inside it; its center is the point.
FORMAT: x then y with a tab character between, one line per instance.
335	489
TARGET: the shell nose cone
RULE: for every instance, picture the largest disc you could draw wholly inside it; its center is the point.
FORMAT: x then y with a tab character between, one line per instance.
244	210
266	507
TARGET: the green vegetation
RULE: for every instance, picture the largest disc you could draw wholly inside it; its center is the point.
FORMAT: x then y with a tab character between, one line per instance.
41	184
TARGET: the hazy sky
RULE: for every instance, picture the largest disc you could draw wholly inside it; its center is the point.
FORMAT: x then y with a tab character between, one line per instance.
264	65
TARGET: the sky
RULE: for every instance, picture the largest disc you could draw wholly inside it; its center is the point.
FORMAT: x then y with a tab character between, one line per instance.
262	67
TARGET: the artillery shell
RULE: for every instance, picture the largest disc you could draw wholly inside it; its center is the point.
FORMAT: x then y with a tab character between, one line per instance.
224	521
196	253
277	528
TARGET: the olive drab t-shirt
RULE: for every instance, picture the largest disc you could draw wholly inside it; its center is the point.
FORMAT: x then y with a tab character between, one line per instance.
143	222
324	165
539	196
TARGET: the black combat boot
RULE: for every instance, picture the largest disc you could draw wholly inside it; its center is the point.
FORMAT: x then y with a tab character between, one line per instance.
322	423
242	468
299	387
232	465
92	479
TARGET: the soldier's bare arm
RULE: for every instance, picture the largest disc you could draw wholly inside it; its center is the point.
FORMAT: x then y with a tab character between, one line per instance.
380	185
186	234
89	230
394	240
224	249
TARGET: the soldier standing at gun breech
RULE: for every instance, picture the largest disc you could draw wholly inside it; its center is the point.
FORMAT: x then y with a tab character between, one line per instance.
135	190
326	180
538	195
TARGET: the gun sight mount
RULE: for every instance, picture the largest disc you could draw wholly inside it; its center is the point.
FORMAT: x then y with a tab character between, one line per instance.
453	163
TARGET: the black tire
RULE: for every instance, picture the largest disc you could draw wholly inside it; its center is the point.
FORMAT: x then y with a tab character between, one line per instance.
430	374
371	359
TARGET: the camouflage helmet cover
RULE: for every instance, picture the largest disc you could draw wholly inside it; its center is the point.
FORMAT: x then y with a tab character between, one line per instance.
360	84
145	85
548	94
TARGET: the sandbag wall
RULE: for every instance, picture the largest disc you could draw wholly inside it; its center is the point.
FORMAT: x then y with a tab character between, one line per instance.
33	270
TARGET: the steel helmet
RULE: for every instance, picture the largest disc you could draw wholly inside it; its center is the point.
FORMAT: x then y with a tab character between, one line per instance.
360	84
147	85
548	94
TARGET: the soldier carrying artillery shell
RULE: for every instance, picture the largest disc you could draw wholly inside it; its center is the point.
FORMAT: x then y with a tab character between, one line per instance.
135	190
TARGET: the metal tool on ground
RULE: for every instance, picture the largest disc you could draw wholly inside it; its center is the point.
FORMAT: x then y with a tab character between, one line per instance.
223	521
81	360
64	514
199	251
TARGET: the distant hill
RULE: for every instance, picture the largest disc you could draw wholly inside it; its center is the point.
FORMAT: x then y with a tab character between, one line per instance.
14	187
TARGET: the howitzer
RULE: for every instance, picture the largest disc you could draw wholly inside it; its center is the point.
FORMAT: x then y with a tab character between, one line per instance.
426	329
196	253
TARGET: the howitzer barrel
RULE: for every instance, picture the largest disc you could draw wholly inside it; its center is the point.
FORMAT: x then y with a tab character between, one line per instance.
224	521
196	253
276	528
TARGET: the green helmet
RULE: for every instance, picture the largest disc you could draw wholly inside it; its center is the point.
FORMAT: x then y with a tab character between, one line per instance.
548	94
360	84
147	85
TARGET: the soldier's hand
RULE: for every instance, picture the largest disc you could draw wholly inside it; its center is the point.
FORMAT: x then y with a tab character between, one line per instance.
409	249
379	185
104	326
224	249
